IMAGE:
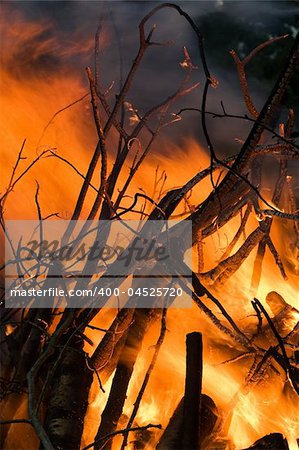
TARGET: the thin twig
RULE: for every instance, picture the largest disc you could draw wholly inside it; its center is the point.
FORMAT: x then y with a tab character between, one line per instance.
13	421
115	433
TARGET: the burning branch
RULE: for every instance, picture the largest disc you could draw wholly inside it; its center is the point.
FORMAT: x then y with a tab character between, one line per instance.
239	232
227	267
287	365
48	350
266	227
109	436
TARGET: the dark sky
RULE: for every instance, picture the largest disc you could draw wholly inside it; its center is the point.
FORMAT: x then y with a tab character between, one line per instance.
73	22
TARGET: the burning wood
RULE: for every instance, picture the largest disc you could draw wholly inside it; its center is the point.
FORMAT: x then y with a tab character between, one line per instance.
192	397
172	436
272	441
195	416
86	377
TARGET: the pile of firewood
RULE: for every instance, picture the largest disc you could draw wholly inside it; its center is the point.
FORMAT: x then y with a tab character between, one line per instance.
43	360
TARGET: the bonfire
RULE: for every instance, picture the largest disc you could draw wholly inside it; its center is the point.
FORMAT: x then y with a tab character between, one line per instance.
149	301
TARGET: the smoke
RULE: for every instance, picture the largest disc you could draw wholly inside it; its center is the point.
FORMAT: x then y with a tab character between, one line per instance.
57	37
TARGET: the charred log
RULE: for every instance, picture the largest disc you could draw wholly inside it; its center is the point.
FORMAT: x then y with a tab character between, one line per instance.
172	436
67	404
195	417
193	384
118	392
273	441
106	355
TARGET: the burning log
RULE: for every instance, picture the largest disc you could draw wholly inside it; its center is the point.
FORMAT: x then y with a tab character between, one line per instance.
283	318
67	402
192	398
284	313
106	355
273	441
196	414
66	388
113	409
279	352
172	436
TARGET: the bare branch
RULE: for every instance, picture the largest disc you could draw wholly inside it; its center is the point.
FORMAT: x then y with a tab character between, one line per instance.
14	421
242	75
115	433
281	346
240	230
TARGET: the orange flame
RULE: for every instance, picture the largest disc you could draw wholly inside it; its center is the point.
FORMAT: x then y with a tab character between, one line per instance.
27	106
